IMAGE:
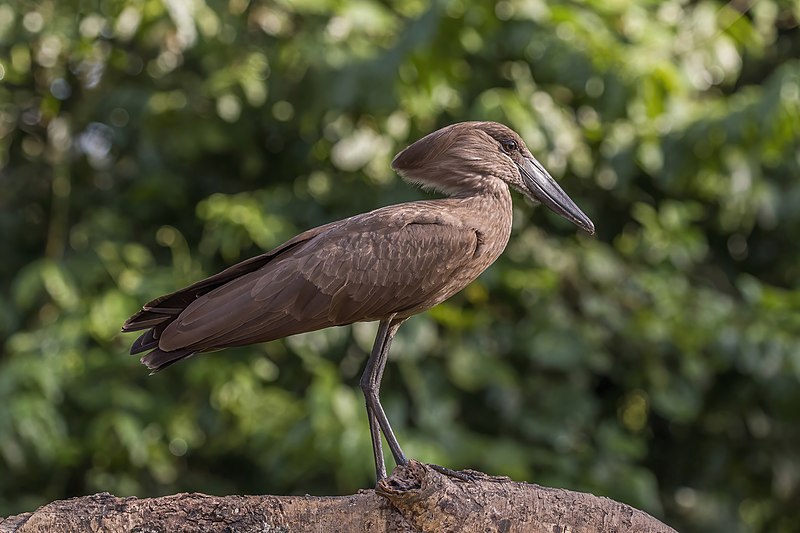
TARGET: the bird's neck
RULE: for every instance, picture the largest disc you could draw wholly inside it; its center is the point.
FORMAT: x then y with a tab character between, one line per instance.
480	201
487	194
480	187
489	210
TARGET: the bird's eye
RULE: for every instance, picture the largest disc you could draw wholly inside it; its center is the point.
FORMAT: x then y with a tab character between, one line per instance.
509	145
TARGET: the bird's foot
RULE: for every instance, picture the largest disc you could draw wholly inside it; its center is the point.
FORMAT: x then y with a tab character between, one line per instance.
462	475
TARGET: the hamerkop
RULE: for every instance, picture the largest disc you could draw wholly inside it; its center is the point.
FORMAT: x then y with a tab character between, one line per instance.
385	265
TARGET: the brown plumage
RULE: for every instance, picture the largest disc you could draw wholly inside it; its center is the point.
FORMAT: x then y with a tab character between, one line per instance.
386	265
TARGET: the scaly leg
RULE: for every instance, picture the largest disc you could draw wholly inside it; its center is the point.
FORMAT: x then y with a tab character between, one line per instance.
371	385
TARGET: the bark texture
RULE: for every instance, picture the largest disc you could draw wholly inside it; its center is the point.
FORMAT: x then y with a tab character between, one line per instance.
415	499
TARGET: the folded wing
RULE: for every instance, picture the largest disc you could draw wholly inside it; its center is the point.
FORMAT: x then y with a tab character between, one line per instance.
360	269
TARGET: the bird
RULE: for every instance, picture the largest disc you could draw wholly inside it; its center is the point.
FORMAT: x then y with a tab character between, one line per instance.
385	265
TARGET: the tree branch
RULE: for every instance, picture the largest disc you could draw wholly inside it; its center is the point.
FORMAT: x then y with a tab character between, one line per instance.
415	499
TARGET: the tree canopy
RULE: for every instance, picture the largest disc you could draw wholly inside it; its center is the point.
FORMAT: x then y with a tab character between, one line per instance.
145	144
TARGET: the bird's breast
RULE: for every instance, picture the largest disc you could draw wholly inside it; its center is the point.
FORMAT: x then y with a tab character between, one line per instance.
487	221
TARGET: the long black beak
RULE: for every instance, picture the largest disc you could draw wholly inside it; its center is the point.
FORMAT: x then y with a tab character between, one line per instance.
542	187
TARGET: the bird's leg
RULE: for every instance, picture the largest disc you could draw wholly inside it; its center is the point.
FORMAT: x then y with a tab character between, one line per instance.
377	447
383	420
372	368
370	384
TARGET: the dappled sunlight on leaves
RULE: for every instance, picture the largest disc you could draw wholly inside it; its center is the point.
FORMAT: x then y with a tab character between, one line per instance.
146	145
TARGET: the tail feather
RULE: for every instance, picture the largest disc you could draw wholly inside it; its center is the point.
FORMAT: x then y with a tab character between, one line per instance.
158	359
147	340
141	321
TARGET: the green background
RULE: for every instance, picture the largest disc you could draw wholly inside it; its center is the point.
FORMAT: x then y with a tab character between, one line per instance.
147	144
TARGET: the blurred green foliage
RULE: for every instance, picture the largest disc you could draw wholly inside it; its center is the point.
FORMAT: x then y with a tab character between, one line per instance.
146	144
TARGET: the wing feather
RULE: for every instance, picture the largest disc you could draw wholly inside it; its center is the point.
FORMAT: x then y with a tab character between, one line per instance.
392	260
167	307
338	278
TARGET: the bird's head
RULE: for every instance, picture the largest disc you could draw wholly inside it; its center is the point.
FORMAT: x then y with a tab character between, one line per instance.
470	156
